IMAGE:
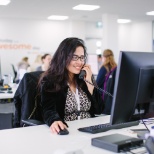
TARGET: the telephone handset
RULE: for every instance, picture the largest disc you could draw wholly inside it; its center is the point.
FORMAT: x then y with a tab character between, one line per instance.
82	74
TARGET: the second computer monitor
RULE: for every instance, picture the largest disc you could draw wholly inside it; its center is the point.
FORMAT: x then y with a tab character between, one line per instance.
133	84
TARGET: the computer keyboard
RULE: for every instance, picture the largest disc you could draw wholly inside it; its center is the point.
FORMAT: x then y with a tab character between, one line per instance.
105	127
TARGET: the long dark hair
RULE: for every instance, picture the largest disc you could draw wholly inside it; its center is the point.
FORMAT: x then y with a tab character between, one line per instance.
57	73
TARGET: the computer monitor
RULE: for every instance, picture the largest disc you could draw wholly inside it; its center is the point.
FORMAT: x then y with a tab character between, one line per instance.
134	85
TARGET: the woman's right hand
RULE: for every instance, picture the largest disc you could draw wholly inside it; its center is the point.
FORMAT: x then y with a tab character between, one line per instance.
56	126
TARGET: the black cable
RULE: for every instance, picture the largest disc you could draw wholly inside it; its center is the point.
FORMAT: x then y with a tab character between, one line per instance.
145	125
142	118
102	90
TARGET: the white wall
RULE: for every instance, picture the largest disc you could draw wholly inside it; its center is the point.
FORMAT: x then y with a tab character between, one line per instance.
45	36
135	36
40	36
93	33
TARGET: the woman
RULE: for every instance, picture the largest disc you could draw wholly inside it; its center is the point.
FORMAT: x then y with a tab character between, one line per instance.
65	97
37	63
22	66
46	59
106	77
108	64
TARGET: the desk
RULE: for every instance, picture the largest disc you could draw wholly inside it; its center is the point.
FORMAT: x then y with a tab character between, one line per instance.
39	140
8	95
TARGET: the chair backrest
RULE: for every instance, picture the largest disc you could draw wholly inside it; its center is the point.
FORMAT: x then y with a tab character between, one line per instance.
26	99
15	73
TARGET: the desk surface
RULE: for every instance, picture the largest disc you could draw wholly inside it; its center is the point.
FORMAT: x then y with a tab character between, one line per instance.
39	139
8	95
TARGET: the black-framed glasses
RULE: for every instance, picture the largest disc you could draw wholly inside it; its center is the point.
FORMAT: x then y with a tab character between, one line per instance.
76	57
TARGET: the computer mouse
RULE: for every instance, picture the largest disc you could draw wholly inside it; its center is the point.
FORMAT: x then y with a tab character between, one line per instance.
63	131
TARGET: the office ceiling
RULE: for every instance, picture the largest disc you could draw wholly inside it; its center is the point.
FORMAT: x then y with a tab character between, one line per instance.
41	9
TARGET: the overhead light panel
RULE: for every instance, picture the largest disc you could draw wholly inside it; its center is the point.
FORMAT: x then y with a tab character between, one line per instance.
4	2
98	44
151	13
86	7
123	21
57	17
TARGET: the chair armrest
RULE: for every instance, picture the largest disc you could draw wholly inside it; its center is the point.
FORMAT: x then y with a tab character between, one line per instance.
32	122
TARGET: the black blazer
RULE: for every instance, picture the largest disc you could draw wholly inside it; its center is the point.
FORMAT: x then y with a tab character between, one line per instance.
53	103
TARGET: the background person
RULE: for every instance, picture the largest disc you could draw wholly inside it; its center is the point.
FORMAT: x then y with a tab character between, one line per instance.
23	64
65	97
36	63
46	59
22	68
106	78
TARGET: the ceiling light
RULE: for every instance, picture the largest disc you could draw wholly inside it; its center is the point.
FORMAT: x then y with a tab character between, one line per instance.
86	7
56	17
151	13
98	44
4	2
123	21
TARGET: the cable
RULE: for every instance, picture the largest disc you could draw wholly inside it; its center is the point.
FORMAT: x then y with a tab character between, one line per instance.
102	90
142	118
145	125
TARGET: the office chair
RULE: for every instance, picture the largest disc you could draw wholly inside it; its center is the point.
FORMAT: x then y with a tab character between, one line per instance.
26	100
15	73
